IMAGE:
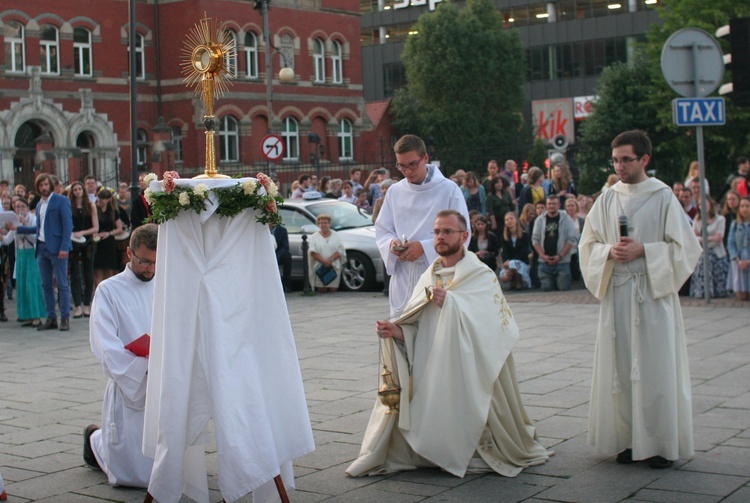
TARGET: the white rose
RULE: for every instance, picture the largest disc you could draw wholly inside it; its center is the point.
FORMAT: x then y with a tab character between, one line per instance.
149	195
273	190
248	187
184	199
201	189
149	178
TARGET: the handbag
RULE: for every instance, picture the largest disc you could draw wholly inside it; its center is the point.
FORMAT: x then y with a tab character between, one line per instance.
326	274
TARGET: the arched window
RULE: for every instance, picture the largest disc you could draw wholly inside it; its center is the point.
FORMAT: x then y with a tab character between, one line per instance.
346	140
142	148
140	58
15	47
229	139
49	48
230	60
82	52
319	60
336	63
251	54
177	142
286	48
290	133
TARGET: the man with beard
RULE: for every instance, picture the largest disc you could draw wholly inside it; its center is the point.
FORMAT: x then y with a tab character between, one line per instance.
471	420
121	314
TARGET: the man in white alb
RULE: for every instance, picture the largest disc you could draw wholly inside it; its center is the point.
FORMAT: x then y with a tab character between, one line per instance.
403	230
120	314
640	397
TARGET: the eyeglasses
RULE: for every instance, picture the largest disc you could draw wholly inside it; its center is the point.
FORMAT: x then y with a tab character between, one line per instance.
624	160
144	263
447	232
410	166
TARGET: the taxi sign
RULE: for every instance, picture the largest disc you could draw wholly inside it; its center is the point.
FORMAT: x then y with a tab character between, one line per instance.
699	111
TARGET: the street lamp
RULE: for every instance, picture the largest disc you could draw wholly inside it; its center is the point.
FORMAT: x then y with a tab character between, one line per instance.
286	74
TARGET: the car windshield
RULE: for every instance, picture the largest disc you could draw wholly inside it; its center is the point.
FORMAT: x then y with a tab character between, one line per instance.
345	215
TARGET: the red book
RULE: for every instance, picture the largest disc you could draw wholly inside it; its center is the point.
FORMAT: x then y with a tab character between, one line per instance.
140	346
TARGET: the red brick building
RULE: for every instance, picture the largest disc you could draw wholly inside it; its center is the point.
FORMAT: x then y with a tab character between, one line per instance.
64	88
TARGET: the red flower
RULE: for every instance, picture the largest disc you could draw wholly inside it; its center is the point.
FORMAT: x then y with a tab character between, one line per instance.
264	179
168	180
271	207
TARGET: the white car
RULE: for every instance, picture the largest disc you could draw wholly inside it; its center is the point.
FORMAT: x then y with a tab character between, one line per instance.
363	268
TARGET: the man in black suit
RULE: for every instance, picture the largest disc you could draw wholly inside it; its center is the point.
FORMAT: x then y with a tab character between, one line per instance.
283	255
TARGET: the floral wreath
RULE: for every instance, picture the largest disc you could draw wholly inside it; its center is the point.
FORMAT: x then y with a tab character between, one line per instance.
231	201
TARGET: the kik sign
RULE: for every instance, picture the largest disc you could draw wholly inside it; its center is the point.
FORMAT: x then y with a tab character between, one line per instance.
699	111
553	118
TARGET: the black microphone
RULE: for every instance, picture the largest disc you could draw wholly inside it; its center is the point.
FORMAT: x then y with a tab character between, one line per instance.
623	219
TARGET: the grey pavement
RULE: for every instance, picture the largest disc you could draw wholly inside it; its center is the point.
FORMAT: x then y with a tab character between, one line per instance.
51	387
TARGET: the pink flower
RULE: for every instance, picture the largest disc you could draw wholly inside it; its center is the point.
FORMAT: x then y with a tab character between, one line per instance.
264	179
271	207
168	179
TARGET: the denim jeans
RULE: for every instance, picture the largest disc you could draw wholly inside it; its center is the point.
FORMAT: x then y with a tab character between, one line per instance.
49	264
554	277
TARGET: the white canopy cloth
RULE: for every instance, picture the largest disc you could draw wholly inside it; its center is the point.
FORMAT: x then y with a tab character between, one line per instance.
222	348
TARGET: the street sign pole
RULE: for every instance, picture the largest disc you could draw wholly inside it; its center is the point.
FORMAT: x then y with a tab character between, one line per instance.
707	279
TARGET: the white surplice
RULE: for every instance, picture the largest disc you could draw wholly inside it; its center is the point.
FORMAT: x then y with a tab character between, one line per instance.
121	313
460	406
409	211
640	395
222	349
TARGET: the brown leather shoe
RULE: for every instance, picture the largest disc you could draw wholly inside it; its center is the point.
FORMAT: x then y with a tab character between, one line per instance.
64	324
49	324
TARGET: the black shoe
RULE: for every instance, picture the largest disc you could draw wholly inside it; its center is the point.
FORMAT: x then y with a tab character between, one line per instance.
28	323
659	463
625	457
64	324
88	452
50	324
3	317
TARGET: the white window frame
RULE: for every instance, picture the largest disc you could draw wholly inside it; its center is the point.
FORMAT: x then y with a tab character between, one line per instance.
290	134
230	60
177	142
319	60
337	72
346	140
50	52
229	136
251	55
141	148
82	51
12	44
140	56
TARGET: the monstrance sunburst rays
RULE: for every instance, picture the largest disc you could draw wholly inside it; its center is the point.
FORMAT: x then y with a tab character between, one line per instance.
208	53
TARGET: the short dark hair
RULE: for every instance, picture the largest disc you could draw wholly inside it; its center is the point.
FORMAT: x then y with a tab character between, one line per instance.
410	143
89	177
354	170
303	178
461	219
145	235
742	160
552	196
637	139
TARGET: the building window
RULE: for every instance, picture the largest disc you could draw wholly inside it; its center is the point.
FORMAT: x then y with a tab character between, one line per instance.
230	60
15	47
229	139
177	142
82	52
49	48
140	59
346	140
336	68
290	133
319	60
394	77
142	148
251	54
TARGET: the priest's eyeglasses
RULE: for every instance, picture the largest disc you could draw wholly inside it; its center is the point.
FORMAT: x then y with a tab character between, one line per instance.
410	166
141	262
623	160
447	232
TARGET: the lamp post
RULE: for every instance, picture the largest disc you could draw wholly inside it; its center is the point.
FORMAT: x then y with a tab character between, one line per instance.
286	74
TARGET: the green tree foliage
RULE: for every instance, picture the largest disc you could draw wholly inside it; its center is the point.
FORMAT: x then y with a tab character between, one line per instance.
464	75
537	154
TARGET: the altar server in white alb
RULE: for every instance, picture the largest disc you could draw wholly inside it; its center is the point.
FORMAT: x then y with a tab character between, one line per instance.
460	407
120	314
640	398
403	229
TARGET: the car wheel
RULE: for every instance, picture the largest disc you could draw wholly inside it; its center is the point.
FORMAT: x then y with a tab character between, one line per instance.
358	274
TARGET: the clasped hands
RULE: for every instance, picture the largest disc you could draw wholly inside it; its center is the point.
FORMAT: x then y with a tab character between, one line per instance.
626	250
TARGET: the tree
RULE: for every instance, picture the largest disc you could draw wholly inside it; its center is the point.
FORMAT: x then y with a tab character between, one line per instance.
464	75
537	154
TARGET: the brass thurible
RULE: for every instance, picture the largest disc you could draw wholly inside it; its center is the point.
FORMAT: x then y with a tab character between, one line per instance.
389	392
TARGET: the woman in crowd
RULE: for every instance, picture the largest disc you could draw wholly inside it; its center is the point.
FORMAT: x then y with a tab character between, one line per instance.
326	251
347	194
716	253
484	242
528	215
30	304
516	251
572	209
107	256
474	194
694	173
533	192
611	180
81	259
384	186
324	186
729	210
499	202
562	184
739	250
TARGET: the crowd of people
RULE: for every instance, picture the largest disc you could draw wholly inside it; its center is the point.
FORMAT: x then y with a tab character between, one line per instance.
62	242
